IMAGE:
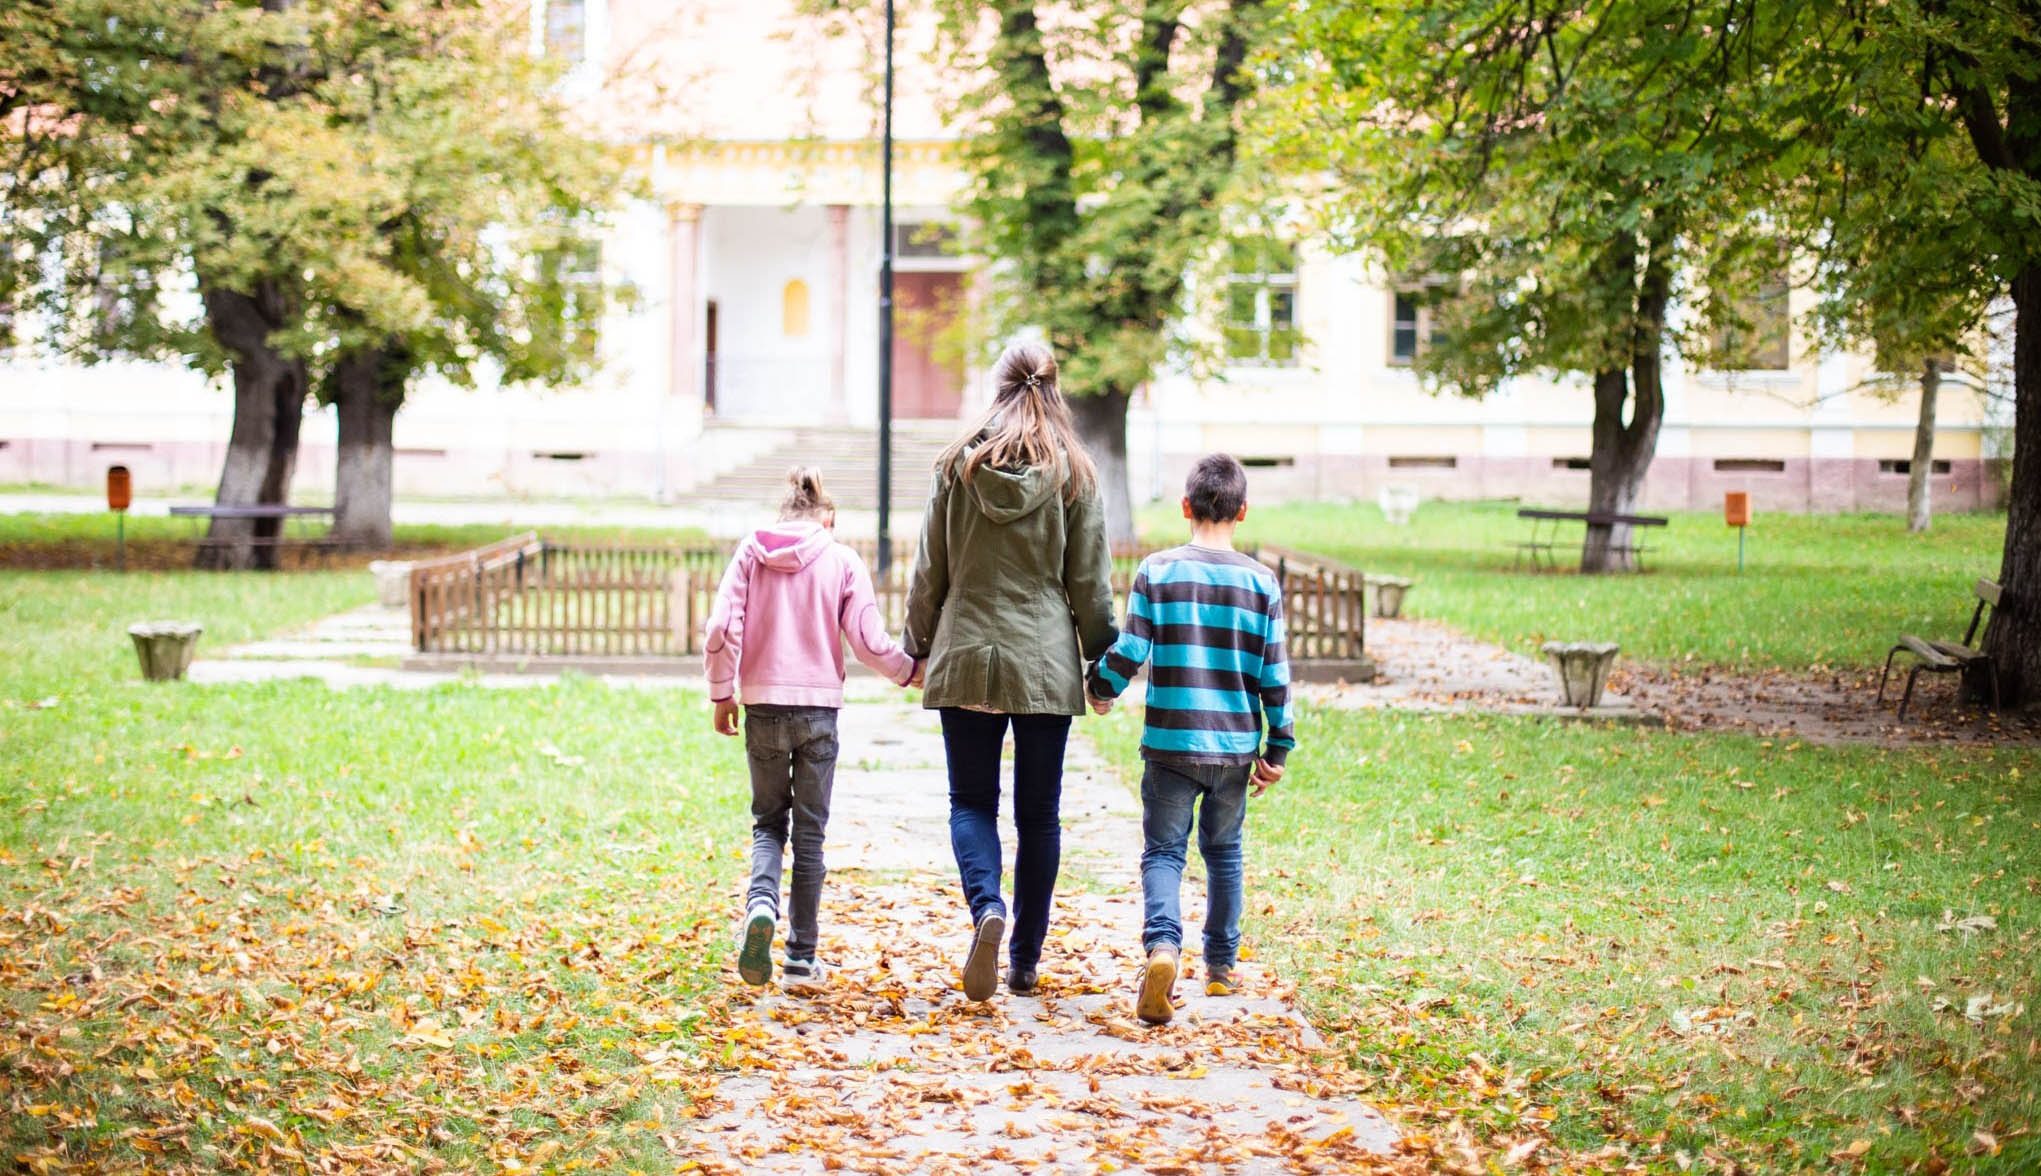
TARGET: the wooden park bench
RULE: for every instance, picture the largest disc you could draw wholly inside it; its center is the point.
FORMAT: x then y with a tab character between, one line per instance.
1948	657
1545	526
282	515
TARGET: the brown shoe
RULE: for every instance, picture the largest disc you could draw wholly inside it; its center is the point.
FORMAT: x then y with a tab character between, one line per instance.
1220	981
1154	1005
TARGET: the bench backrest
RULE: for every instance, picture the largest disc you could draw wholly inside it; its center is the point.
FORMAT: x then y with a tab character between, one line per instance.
1987	597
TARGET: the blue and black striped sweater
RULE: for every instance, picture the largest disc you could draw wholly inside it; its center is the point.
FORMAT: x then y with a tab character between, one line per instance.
1209	625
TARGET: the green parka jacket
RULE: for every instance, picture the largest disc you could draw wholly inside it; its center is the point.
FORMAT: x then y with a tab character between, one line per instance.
1011	585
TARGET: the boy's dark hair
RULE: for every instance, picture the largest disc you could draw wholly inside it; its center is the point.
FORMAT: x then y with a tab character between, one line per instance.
1217	489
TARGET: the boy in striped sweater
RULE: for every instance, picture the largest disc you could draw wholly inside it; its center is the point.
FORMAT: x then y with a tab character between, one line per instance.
1208	622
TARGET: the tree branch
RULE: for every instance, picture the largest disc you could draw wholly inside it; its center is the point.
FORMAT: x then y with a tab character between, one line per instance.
1980	117
1159	25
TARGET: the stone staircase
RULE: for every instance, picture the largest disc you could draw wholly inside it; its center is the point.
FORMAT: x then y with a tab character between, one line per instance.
849	461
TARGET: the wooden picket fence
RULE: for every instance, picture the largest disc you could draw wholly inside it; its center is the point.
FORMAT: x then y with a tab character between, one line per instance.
527	597
1324	604
456	600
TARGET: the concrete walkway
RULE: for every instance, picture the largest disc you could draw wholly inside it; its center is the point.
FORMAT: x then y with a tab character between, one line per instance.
892	1070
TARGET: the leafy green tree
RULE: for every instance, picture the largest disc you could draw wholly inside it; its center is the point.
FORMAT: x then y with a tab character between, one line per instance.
1554	183
143	183
351	191
1929	112
484	258
1101	143
1874	195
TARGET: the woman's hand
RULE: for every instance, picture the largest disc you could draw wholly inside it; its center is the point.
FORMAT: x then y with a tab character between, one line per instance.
920	672
725	719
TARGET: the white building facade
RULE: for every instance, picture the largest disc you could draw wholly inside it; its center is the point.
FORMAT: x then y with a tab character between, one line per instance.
754	326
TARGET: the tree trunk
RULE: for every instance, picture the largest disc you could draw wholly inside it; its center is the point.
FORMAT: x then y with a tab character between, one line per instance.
1918	509
2015	637
262	448
1101	420
1623	449
1616	468
368	388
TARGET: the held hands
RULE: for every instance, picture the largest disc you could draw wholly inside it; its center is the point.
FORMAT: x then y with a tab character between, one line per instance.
1265	774
725	720
920	674
1099	706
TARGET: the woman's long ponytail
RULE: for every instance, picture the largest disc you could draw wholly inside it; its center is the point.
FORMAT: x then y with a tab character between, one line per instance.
1027	424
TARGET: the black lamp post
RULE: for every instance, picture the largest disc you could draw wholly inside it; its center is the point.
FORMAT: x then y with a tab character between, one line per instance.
886	318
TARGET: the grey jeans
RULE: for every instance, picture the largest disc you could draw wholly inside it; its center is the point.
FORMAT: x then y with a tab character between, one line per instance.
793	768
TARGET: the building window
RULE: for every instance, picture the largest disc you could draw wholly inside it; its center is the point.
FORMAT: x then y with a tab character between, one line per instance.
1261	303
566	29
1904	467
794	309
577	268
1412	328
123	295
1749	465
1761	338
924	240
1406	325
8	292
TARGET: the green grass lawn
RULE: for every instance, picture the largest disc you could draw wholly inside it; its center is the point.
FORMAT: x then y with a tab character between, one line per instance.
386	929
1741	950
1818	591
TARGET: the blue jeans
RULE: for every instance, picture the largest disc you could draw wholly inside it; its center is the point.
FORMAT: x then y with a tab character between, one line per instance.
1171	794
793	770
972	741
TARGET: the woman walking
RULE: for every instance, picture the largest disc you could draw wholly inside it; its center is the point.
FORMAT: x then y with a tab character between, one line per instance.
1012	593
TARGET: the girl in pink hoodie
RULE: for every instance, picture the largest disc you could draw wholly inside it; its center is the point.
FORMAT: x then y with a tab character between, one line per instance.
775	641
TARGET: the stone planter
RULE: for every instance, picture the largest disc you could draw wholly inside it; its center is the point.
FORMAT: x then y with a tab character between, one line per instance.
393	582
1582	668
165	648
1389	592
1399	503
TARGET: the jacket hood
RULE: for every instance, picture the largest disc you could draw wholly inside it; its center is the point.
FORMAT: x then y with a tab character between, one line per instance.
790	546
1009	494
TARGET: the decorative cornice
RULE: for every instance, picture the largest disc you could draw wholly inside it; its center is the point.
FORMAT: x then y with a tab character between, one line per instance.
797	152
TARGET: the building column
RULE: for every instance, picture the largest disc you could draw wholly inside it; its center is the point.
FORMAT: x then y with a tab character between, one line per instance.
838	411
684	364
681	409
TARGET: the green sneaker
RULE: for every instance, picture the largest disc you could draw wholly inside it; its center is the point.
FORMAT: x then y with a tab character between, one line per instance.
807	976
1220	981
754	945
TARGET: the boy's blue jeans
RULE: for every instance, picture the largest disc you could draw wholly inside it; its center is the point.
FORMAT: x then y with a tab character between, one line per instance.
1171	794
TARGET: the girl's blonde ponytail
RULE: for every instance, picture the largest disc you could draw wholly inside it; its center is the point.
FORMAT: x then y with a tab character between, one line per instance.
805	498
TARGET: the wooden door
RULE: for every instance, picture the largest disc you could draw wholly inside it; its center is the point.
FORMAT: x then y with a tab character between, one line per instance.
928	378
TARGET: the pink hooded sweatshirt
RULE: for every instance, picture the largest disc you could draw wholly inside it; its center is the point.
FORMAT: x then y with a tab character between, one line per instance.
775	635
